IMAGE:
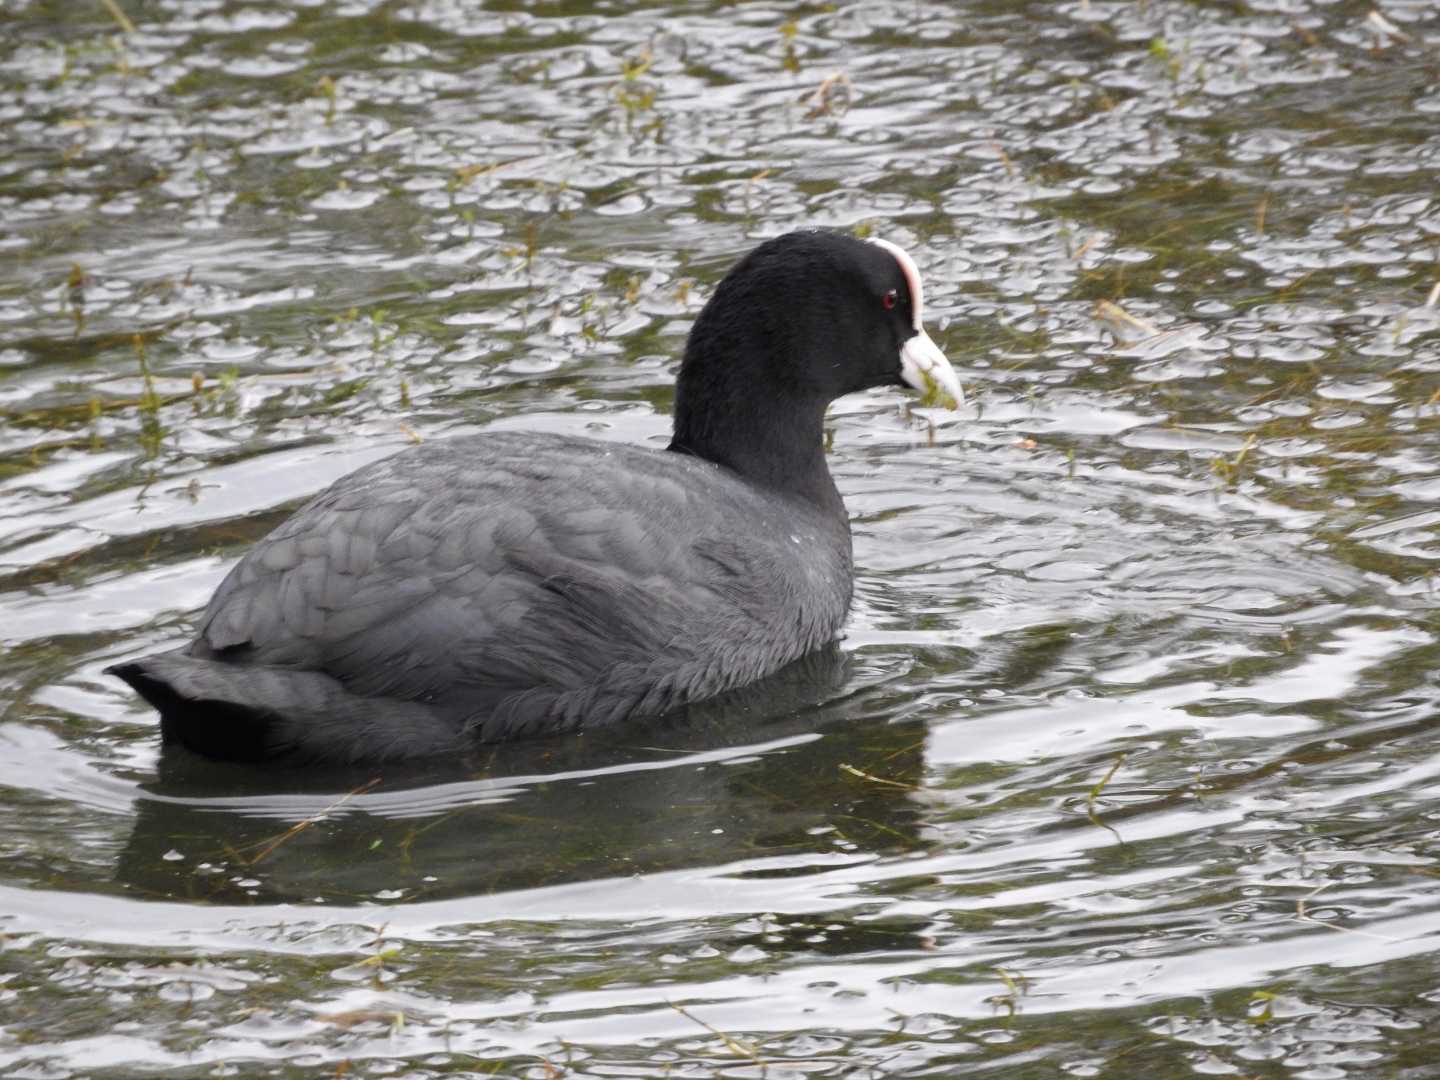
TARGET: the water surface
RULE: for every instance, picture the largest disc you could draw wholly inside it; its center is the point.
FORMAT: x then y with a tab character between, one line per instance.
1125	764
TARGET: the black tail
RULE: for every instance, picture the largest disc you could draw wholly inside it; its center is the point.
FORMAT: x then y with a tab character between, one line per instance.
239	712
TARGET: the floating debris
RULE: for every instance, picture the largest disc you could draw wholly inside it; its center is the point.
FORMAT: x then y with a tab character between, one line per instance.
831	97
1120	322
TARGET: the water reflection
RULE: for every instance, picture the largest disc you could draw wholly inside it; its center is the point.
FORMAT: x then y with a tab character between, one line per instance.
782	768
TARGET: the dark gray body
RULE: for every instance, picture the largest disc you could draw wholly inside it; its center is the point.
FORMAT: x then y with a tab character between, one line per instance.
500	585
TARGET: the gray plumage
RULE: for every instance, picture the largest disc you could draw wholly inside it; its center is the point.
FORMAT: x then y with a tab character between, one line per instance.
436	579
501	585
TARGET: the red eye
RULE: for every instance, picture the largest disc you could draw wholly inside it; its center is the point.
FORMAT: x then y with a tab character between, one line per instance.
890	299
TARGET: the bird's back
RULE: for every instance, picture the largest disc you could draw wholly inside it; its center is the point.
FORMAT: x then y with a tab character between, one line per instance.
514	584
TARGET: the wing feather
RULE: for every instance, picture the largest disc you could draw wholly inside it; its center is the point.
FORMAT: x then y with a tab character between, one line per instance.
439	576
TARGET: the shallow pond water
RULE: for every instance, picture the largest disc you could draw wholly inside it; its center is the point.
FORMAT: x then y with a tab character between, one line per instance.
1126	761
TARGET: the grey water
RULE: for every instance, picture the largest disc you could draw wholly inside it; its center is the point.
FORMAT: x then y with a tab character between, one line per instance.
1126	763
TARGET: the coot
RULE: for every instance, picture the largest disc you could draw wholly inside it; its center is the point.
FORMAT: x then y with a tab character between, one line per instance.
501	585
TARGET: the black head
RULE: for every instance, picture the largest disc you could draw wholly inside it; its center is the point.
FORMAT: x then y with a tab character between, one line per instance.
800	321
810	315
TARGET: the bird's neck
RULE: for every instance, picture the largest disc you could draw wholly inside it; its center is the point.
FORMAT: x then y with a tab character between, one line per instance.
770	440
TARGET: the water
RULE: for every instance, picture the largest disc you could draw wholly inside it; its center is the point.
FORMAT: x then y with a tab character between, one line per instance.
1125	765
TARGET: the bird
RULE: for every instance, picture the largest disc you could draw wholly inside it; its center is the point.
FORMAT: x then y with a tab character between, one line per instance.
501	585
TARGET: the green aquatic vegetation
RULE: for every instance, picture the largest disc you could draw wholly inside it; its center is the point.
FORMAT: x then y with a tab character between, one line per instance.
528	70
326	89
1017	986
74	414
738	1047
116	13
789	58
121	60
1262	1007
1094	793
1160	49
216	398
465	174
151	430
529	249
863	775
632	68
633	94
73	296
1231	470
382	333
228	380
378	962
636	96
343	392
1066	235
149	399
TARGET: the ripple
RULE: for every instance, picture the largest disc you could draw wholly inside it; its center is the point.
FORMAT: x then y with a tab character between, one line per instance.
1132	724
